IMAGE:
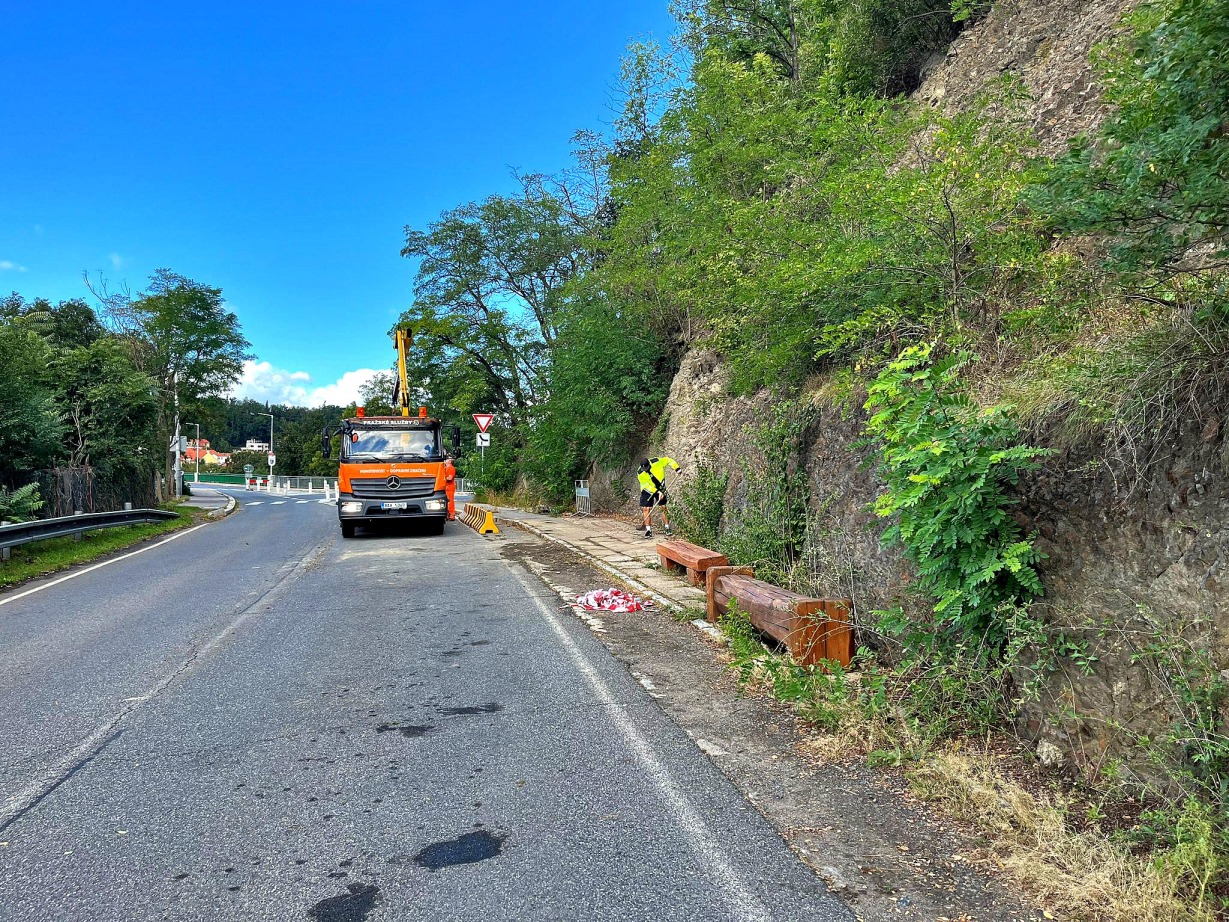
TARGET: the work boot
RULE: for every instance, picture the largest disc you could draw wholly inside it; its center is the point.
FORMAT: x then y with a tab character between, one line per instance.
648	533
669	530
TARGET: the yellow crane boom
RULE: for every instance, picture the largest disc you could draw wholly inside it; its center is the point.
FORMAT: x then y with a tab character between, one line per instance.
401	396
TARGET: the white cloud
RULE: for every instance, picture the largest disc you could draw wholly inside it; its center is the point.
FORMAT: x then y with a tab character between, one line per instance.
117	261
344	390
9	266
261	381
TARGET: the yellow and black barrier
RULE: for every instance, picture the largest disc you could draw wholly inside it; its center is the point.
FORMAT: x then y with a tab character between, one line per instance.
480	517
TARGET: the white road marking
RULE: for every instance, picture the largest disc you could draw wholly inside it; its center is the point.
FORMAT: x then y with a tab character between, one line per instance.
98	566
743	903
259	502
51	778
301	502
280	502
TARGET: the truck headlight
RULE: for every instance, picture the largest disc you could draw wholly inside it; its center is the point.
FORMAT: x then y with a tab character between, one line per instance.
351	507
435	505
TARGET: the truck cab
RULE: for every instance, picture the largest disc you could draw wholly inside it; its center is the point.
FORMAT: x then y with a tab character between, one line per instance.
392	467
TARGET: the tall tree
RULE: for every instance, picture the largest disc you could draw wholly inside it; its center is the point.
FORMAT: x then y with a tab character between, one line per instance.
489	287
189	343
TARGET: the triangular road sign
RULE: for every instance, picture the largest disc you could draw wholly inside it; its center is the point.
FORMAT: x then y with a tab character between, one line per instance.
483	420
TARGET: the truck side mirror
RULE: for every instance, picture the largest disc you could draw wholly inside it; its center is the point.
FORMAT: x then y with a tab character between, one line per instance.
456	439
326	443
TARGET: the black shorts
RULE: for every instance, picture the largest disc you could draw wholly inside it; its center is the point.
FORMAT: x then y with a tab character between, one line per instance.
646	499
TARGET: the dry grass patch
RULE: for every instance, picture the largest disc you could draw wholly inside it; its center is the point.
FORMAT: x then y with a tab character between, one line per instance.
1082	874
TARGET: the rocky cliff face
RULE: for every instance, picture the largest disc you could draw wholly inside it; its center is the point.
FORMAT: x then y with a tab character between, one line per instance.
1126	564
1046	44
1138	571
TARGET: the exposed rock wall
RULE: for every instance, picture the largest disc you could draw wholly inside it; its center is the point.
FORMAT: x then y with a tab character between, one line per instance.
1137	569
1046	44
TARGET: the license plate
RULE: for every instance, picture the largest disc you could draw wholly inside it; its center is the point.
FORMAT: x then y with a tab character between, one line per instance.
394	505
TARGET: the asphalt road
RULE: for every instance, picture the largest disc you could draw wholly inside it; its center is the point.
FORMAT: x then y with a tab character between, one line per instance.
259	720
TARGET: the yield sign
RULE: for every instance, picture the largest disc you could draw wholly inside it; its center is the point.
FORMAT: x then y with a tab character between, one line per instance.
483	420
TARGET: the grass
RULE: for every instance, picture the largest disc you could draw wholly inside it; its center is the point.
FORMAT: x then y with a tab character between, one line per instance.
1083	873
40	558
1038	833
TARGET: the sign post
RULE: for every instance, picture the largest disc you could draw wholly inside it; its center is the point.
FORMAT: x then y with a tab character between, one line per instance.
484	439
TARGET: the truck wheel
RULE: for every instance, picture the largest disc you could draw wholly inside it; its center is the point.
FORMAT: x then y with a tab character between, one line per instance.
347	529
436	527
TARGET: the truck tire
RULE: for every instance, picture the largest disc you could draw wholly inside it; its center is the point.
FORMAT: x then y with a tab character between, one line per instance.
436	527
347	529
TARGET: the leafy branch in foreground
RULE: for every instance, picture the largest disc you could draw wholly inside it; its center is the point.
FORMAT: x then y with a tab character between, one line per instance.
946	464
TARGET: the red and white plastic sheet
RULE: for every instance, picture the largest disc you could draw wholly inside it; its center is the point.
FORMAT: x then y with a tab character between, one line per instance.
611	600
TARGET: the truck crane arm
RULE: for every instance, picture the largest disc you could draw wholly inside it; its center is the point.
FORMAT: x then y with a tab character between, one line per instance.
401	393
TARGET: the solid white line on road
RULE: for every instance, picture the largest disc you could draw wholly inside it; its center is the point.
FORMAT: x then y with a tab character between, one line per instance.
280	502
97	566
743	903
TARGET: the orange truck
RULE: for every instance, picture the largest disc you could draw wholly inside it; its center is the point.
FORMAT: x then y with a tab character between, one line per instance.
394	467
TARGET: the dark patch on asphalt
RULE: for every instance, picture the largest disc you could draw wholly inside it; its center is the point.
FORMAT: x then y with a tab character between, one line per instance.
468	848
489	708
183	876
478	643
353	906
409	731
447	653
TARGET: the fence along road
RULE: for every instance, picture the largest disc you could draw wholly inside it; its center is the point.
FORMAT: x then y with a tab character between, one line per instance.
260	721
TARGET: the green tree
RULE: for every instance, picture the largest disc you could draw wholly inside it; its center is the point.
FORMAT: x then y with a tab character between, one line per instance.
30	425
188	343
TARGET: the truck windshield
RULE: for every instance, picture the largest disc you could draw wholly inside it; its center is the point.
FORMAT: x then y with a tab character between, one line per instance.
393	445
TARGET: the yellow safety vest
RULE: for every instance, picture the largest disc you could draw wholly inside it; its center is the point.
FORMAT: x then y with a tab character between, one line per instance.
657	468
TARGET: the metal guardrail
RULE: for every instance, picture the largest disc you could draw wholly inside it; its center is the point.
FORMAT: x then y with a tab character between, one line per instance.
42	529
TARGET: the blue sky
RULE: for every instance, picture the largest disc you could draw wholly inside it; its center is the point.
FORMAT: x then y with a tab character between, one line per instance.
277	150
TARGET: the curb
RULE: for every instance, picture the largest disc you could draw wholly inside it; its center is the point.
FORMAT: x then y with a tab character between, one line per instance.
225	511
600	564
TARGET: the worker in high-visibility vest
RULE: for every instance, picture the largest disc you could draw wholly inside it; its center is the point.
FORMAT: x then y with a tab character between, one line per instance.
652	478
450	488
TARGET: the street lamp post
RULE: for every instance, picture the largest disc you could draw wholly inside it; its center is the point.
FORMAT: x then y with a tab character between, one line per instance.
196	477
270	415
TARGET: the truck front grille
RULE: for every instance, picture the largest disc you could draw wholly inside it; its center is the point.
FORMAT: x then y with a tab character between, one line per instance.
378	488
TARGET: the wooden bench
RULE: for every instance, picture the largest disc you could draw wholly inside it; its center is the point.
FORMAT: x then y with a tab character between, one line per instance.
685	556
814	630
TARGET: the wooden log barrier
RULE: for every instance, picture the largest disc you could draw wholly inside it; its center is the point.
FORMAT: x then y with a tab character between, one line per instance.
813	630
691	558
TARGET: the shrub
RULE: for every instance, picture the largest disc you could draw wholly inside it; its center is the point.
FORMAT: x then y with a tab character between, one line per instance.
946	465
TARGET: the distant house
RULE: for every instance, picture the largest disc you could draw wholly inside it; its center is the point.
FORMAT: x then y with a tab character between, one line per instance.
254	445
204	454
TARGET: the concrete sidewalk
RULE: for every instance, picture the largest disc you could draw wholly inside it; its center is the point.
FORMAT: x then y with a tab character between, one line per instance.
214	502
616	546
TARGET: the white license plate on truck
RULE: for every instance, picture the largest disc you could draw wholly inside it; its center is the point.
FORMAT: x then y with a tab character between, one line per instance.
394	505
